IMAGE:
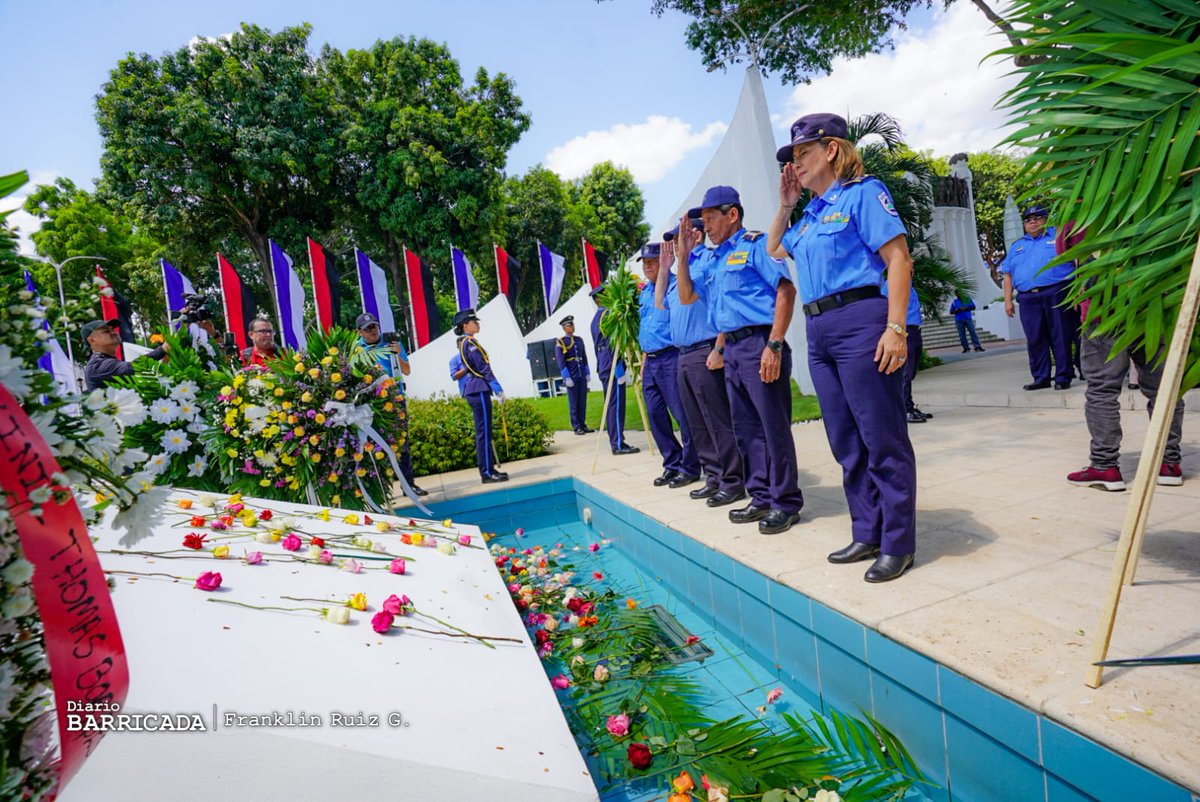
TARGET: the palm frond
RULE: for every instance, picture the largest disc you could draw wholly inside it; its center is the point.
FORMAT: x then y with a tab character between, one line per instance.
880	125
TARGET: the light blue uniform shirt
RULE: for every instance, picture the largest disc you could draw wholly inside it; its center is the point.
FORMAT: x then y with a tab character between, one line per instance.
456	364
691	323
382	352
740	283
836	243
1028	256
654	328
912	316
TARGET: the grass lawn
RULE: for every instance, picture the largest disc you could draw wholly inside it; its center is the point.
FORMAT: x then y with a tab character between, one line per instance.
804	407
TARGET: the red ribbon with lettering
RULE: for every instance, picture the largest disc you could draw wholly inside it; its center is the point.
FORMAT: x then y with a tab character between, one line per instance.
83	643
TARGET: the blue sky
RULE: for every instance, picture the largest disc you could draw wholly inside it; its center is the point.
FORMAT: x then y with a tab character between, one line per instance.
611	70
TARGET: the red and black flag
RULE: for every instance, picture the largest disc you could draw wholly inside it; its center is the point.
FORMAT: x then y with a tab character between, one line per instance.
114	307
239	303
508	276
595	264
325	287
426	325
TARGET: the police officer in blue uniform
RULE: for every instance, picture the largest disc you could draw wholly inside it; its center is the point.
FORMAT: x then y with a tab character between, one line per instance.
847	236
660	381
573	366
1042	294
916	344
392	359
750	297
701	380
480	385
615	418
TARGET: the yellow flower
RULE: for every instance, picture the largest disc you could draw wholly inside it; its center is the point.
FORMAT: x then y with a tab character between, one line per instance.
296	355
358	601
231	452
236	498
239	380
337	500
333	350
337	377
327	361
306	397
315	457
368	446
323	515
358	457
447	523
360	472
382	526
417	538
294	485
278	392
378	455
368	379
320	418
339	395
332	477
299	367
312	441
286	405
388	407
339	452
298	431
221	552
226	390
264	482
351	519
314	373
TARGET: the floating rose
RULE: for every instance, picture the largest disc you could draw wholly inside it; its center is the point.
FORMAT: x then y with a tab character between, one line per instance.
561	682
618	726
774	695
594	547
600	674
596	575
639	756
209	580
631	604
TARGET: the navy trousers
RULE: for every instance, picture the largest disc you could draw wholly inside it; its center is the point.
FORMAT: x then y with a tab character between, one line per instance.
577	402
481	410
706	407
915	344
406	466
660	382
762	423
615	419
863	413
1046	331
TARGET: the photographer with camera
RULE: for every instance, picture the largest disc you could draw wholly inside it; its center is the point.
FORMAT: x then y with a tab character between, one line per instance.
103	337
262	335
387	350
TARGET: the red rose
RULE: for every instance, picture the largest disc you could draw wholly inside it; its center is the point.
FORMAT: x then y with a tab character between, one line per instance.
541	636
639	756
194	541
265	515
586	608
367	520
574	604
521	604
319	542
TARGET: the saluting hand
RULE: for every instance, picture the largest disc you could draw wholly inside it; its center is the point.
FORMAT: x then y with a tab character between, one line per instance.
768	366
790	188
892	351
687	238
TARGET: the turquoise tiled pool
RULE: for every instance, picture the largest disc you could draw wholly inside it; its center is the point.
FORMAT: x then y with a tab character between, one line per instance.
973	744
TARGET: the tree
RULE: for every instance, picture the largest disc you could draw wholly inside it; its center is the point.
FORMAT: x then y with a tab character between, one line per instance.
799	40
421	154
76	222
608	206
11	261
538	207
219	136
996	177
1111	114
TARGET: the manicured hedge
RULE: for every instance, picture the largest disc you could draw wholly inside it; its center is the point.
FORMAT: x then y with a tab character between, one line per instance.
442	433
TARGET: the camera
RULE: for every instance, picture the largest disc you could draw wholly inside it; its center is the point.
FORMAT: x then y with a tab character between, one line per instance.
390	337
195	309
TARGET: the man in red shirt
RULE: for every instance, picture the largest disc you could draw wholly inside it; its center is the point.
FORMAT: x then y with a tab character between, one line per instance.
262	335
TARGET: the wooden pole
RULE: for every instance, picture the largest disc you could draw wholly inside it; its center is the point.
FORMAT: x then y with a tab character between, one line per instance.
608	394
1134	529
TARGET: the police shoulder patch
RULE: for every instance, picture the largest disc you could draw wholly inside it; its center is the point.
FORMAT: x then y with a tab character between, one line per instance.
885	200
737	258
751	236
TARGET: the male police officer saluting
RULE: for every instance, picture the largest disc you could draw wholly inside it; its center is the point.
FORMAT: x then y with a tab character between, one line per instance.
750	297
480	385
573	365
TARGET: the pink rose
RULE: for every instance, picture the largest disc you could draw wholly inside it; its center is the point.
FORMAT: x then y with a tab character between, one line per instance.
594	547
352	565
561	682
209	580
254	558
325	557
398	566
291	542
520	531
618	726
596	575
391	605
464	540
382	621
236	508
774	695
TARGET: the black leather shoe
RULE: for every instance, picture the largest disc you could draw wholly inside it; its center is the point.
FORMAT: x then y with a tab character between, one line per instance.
915	418
1037	385
494	478
1062	385
419	491
777	521
925	415
581	431
965	350
666	477
978	349
626	449
707	491
723	497
500	473
683	480
586	429
748	514
888	567
854	552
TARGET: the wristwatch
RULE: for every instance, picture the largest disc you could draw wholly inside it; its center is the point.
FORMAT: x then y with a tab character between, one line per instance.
720	349
775	345
899	329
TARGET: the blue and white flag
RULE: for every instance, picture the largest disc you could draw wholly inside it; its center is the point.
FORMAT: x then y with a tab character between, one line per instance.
289	299
54	361
372	280
176	286
466	290
553	273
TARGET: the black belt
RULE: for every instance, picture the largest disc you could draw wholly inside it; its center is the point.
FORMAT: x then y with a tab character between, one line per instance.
661	351
706	344
1047	288
840	299
746	331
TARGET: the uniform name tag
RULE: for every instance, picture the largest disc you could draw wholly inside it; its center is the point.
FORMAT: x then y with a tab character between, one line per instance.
738	258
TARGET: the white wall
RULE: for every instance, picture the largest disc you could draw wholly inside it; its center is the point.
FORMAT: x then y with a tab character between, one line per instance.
583	308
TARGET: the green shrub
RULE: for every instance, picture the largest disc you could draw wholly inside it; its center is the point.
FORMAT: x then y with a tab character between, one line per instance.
442	433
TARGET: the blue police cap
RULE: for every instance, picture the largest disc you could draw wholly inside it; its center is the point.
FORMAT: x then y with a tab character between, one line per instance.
714	197
649	251
464	316
1035	211
810	128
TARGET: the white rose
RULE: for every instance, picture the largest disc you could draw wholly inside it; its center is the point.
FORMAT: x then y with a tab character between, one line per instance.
338	615
19	572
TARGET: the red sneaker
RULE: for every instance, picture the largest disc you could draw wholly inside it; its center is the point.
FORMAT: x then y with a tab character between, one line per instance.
1170	474
1106	479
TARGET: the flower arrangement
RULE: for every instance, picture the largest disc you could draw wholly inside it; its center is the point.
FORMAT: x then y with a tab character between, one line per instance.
641	721
325	423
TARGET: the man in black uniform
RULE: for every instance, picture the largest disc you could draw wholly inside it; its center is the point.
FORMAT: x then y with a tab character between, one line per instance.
103	336
573	366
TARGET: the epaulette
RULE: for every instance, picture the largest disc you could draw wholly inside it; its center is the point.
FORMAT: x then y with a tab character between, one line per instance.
856	180
752	235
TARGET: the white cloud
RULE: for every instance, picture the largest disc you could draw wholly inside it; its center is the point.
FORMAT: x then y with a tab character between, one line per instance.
195	41
935	82
23	222
649	149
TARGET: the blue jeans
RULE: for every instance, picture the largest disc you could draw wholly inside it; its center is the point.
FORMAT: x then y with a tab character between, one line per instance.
965	326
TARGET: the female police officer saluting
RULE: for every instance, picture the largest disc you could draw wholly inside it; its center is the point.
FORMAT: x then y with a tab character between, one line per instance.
478	388
849	233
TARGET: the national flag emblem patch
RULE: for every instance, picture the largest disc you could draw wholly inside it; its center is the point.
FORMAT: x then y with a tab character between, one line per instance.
737	258
885	201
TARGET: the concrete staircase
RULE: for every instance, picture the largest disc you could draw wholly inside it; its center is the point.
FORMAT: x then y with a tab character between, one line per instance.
945	335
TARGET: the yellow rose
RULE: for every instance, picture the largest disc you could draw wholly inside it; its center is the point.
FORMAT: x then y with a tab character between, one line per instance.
227	390
314	373
333	350
358	457
332	477
360	472
337	377
299	367
358	601
378	455
315	457
417	538
278	392
221	552
286	405
312	441
323	515
351	519
339	395
231	452
264	482
388	407
368	379
320	418
296	355
339	452
307	397
327	361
